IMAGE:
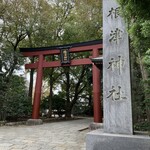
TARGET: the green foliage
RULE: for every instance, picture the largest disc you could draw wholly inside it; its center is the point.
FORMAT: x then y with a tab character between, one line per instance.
137	95
85	22
142	126
82	108
137	16
15	103
146	59
58	104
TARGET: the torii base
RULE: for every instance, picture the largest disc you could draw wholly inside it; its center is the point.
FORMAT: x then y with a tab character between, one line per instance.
95	126
34	122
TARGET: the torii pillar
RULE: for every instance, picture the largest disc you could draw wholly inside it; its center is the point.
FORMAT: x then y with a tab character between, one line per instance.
37	94
96	90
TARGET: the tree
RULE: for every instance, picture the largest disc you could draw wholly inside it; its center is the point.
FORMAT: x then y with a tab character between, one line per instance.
85	22
58	104
16	25
137	17
72	27
30	23
72	85
15	102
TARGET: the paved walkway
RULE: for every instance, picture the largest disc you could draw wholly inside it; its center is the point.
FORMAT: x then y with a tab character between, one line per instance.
66	135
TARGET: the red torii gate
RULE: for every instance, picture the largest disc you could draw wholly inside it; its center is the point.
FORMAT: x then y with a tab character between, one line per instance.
93	46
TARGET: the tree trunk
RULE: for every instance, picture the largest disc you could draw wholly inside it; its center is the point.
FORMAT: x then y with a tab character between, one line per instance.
31	80
32	70
77	91
68	109
50	95
51	82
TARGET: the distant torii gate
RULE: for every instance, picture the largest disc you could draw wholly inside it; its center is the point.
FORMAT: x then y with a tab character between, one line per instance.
93	46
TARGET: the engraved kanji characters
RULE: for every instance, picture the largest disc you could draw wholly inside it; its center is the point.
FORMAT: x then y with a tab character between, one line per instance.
114	12
116	94
116	35
116	64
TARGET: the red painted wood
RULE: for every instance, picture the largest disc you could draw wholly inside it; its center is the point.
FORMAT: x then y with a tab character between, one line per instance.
85	48
37	93
76	62
45	52
96	90
31	66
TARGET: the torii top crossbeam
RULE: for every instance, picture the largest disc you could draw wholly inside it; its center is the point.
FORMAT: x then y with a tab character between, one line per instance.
55	50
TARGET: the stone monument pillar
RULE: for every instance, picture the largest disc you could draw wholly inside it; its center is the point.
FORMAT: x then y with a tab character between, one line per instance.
116	71
117	133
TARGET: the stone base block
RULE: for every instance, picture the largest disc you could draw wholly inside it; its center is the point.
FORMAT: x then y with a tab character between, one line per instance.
98	140
34	122
95	126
